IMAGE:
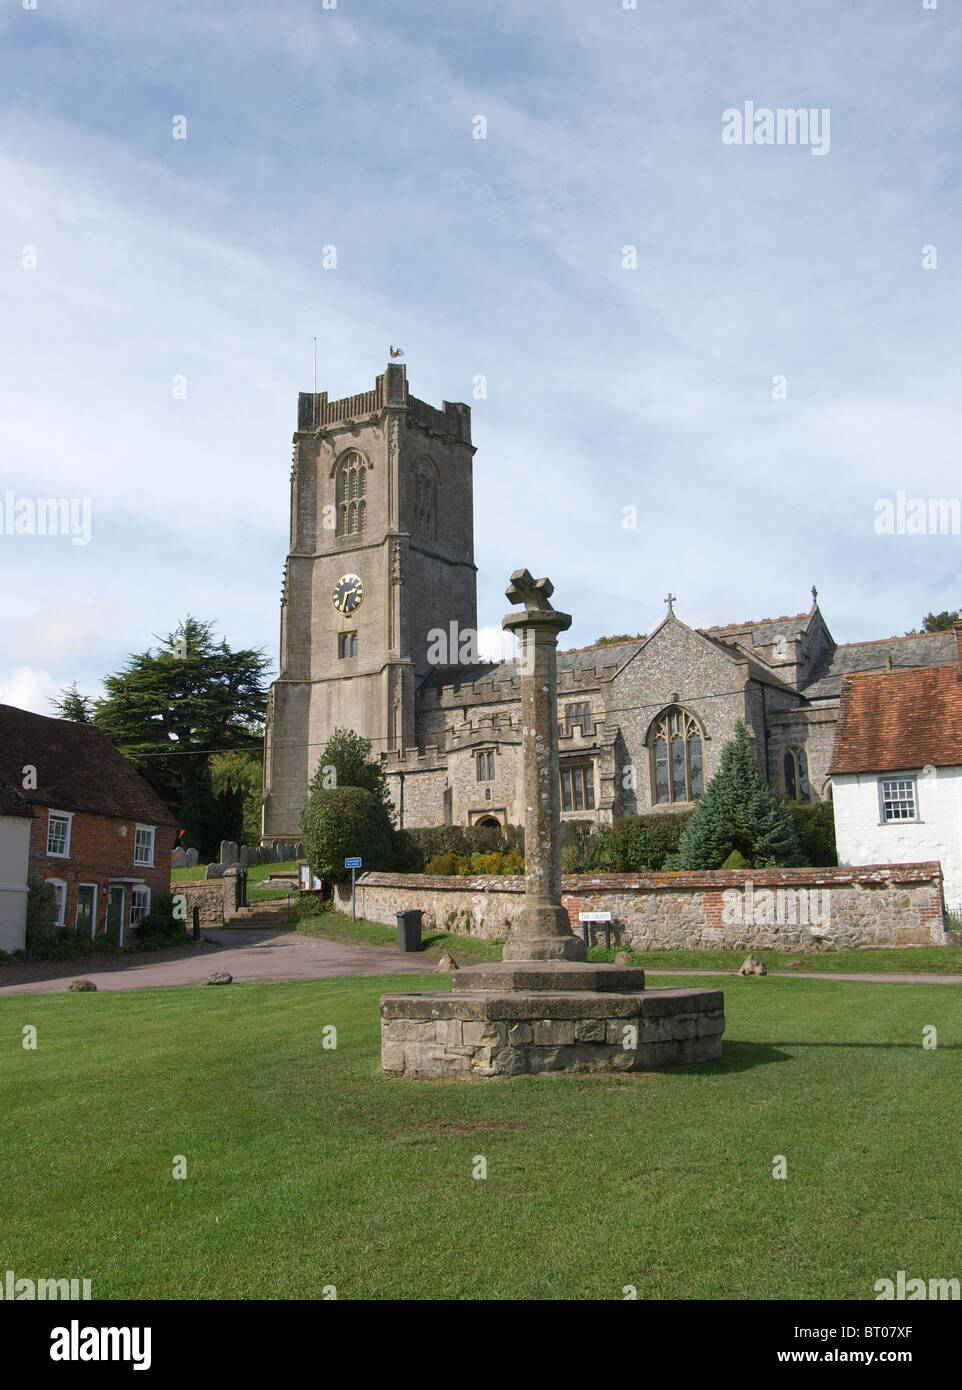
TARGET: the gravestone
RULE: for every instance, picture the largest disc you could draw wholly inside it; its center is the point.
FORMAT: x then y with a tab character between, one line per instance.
543	1007
214	871
190	859
228	852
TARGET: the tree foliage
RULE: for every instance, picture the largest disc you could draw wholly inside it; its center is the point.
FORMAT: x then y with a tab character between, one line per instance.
168	710
73	705
237	780
340	822
738	811
939	622
346	762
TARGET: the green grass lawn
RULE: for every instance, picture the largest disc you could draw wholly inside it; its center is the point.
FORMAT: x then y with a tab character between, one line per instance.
307	1167
922	960
336	926
255	874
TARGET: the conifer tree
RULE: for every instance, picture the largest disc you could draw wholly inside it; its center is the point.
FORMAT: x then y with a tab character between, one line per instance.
738	811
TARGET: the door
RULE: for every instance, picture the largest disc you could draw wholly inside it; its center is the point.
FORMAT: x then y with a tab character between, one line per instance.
115	909
87	909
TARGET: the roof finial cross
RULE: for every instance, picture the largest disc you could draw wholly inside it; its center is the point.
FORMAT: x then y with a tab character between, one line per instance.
670	600
814	594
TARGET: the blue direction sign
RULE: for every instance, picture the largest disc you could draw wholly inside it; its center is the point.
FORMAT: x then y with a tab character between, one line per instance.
352	863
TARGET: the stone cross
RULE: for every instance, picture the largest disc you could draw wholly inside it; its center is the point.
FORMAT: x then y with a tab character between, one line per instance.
543	931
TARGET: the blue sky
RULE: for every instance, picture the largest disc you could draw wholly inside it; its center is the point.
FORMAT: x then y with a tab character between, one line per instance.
607	387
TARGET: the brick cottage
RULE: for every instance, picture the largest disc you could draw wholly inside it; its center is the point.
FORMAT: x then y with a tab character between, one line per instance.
100	834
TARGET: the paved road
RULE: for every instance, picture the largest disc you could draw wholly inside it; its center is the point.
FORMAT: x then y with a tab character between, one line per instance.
269	953
247	954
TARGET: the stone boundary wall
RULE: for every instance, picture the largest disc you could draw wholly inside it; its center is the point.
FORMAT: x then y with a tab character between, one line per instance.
738	909
217	898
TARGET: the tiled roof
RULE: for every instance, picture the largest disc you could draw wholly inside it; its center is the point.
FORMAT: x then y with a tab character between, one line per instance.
895	653
78	769
765	630
579	660
898	720
12	803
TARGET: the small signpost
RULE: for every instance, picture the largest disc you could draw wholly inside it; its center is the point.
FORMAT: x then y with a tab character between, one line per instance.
353	865
585	917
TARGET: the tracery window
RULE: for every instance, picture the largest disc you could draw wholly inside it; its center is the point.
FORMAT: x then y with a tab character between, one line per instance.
677	769
578	714
425	500
351	501
795	764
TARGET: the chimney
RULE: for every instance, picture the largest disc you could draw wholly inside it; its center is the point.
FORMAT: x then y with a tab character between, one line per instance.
957	629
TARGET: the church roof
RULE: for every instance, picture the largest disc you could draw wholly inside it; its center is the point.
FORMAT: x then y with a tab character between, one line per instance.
581	660
765	631
895	721
889	653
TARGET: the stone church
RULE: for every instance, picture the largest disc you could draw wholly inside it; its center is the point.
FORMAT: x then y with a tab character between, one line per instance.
381	560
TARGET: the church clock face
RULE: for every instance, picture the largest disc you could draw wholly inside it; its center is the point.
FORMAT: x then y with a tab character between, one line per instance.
348	594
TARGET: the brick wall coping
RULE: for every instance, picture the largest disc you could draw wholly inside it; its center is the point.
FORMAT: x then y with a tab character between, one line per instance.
578	884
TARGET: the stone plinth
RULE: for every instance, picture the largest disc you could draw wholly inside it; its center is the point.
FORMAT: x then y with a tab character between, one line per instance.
542	976
488	1032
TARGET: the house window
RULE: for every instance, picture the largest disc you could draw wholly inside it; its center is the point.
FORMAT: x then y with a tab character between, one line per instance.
139	905
675	745
60	889
578	714
897	798
486	767
795	767
58	835
86	919
347	644
578	787
351	502
144	846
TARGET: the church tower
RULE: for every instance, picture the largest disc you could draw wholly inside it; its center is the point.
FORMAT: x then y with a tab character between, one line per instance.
381	551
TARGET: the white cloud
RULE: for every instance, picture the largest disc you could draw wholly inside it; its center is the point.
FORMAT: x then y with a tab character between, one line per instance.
30	688
52	634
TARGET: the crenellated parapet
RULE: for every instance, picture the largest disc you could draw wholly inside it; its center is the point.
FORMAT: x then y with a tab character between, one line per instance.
428	759
316	414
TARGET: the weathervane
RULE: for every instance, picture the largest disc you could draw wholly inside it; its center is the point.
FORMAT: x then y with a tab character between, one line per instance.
396	352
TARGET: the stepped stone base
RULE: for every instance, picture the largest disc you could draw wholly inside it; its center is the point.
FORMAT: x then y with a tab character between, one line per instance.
488	1032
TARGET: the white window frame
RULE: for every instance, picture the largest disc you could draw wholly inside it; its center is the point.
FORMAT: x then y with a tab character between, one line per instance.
910	781
68	817
93	920
137	890
152	831
61	883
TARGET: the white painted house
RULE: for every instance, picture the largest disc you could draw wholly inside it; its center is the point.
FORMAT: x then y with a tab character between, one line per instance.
16	814
897	770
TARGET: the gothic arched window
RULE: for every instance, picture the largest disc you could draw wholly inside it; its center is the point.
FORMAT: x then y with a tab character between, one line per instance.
425	500
677	769
795	764
350	489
